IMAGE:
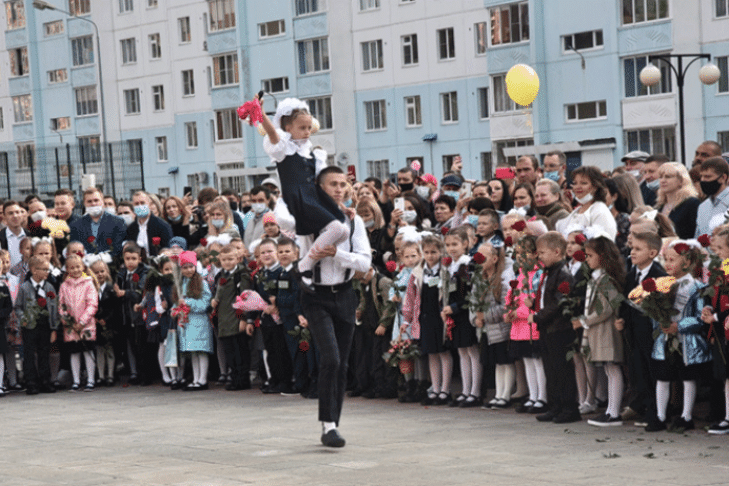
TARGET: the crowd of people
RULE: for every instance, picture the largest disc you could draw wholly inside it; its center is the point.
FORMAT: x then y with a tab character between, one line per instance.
519	284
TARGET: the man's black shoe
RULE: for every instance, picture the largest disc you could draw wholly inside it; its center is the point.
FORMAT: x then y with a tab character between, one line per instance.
548	416
567	417
333	439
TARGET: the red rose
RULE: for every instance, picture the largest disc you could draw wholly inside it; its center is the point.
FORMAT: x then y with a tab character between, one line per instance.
514	284
391	266
579	256
51	295
519	226
508	241
156	240
303	346
91	239
239	313
203	242
681	248
109	241
135	278
399	268
42	302
564	288
444	231
580	239
447	261
257	323
649	285
223	281
705	240
252	265
479	258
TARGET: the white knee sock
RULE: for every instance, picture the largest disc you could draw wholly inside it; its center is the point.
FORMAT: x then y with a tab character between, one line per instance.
509	380
195	358
90	367
2	370
332	234
465	371
476	371
161	360
541	380
446	366
435	372
203	359
499	378
76	368
726	399
581	378
522	387
689	397
663	393
615	388
531	378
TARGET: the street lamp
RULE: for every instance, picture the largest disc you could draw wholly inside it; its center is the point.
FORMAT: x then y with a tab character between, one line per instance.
43	5
651	75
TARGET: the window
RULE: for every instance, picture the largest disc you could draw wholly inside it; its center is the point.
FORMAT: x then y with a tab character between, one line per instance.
126	6
448	162
721	9
19	61
228	125
155	46
134	149
372	55
313	56
82	49
723	84
60	124
23	108
54	28
90	149
379	169
158	97
188	83
275	85
508	160
2	119
479	31
722	138
129	51
375	115
152	3
509	23
79	7
271	29
653	141
502	102
591	110
637	11
487	168
483	103
131	101
184	25
222	14
225	70
446	44
191	134
15	13
449	104
369	4
57	76
633	86
86	102
161	143
304	7
163	192
26	155
413	114
235	183
321	109
409	49
582	40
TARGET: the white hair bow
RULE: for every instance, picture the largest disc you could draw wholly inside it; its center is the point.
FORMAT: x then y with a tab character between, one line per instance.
286	107
91	258
519	211
692	243
410	234
45	239
574	228
650	214
593	232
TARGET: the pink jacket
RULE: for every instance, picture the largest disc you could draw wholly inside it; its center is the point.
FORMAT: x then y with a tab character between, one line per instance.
81	300
521	330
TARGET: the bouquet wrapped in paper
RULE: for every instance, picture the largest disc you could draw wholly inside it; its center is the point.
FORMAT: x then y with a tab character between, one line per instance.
250	301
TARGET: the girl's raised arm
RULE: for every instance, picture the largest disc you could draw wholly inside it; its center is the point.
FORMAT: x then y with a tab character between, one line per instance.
268	125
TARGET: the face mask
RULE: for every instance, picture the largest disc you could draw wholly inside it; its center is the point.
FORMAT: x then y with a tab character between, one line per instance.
369	224
653	185
259	208
94	211
584	199
409	216
128	219
233	206
525	208
423	191
245	209
610	207
176	219
141	211
473	220
635	173
552	176
453	194
406	187
110	210
710	187
38	216
348	203
218	223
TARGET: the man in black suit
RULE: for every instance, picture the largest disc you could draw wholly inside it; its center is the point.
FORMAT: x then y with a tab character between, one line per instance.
98	230
13	232
148	231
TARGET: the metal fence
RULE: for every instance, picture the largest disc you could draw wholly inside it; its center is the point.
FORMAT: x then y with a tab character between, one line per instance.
118	172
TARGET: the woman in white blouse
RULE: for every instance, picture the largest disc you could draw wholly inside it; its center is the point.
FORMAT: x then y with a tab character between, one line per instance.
589	190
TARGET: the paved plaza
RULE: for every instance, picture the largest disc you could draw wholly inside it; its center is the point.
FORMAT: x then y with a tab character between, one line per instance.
153	436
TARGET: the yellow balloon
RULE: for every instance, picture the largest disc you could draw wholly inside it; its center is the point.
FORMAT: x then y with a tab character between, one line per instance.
522	84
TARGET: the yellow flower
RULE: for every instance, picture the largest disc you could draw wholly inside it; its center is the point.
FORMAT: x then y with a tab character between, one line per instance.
725	266
663	285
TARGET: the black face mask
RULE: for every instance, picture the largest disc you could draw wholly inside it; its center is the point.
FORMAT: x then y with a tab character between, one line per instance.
233	205
245	209
710	187
406	187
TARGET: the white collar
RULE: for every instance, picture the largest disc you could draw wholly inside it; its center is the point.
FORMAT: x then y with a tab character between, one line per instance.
36	284
288	267
462	260
10	234
273	267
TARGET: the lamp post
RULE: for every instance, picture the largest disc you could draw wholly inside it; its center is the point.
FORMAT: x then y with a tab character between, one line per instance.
651	75
43	5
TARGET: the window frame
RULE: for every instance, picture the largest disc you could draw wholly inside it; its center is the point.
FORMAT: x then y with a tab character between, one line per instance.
652	135
413	109
311	7
132	98
521	7
79	7
60	127
412	44
321	110
22	105
83	47
449	106
160	144
599	105
378	168
484	102
263	26
91	146
87	101
368	50
18	57
722	86
184	30
190	133
369	5
15	17
639	89
270	81
23	148
126	6
128	51
498	85
481	38
188	83
375	114
229	69
155	46
158	98
222	15
319	55
47	28
595	46
50	75
446	38
644	4
227	126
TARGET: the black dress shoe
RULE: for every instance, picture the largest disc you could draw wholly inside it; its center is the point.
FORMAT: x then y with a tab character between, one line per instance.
567	417
355	393
47	389
333	439
656	425
681	425
548	417
32	390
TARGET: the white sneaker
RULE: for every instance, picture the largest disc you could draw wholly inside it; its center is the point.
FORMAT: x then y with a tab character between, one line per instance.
587	408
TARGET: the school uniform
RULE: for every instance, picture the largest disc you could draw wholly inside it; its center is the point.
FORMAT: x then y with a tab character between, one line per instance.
132	337
288	302
6	308
108	320
456	278
235	344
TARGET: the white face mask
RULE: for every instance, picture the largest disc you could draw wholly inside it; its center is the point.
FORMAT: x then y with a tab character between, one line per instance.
128	218
259	208
38	216
409	216
110	210
654	185
369	224
584	199
423	191
635	173
94	211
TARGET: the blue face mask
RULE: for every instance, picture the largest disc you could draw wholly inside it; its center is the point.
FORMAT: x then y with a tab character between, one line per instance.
141	211
473	220
453	194
348	203
176	219
552	176
218	223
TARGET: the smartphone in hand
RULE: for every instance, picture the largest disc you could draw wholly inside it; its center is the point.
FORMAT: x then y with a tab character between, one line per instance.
400	203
